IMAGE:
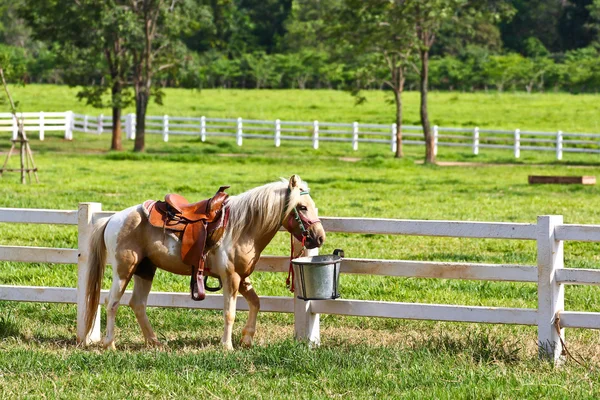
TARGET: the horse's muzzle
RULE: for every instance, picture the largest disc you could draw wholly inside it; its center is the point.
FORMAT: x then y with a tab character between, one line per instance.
314	240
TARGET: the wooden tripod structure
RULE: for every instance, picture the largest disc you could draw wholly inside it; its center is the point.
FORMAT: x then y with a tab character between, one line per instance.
27	163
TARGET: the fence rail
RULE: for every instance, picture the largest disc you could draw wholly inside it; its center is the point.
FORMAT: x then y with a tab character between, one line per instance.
549	232
316	131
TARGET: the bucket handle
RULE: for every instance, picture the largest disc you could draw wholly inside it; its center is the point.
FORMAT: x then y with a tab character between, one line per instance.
338	252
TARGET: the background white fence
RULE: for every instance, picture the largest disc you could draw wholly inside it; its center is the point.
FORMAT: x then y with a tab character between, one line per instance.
353	133
549	273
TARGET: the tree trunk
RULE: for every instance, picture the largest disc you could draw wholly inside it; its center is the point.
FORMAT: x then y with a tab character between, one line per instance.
429	155
116	130
398	98
116	118
141	105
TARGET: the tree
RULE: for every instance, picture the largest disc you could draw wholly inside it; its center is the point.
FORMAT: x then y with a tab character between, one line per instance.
261	68
158	26
428	17
574	24
89	35
594	22
380	27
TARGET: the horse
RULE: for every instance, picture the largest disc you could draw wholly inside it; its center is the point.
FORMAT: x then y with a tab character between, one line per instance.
136	249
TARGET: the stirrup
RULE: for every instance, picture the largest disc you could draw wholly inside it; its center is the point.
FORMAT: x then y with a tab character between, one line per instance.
197	286
213	289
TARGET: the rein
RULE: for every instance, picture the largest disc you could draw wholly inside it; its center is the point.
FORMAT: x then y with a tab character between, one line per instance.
304	224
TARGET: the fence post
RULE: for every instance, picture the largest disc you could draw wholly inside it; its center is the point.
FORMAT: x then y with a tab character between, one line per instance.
128	126
100	126
355	136
476	140
203	128
277	133
307	325
315	136
435	139
69	125
240	132
165	128
551	295
42	132
85	225
393	143
517	143
15	128
85	125
559	145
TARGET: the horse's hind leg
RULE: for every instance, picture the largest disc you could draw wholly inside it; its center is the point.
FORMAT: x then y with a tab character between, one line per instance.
251	297
139	299
123	268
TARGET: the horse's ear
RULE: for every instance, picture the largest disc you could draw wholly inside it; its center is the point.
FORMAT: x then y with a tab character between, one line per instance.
294	181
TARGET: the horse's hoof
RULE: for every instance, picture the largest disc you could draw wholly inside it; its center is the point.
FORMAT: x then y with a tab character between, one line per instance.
109	345
154	343
246	341
228	346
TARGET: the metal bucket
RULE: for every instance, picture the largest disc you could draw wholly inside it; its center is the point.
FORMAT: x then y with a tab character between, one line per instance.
317	277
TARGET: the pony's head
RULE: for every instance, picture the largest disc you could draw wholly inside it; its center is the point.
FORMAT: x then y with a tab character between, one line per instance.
300	214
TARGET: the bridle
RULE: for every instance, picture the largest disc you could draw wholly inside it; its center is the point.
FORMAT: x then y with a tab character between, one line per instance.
304	223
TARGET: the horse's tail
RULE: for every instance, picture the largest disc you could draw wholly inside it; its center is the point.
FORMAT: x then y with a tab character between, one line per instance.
96	265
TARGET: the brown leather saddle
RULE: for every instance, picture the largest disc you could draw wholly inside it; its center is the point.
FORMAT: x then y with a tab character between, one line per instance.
199	226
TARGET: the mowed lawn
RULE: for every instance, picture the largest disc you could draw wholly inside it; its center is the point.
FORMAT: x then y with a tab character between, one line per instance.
539	111
359	357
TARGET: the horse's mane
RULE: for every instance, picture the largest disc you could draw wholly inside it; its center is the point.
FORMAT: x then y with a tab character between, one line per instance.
261	208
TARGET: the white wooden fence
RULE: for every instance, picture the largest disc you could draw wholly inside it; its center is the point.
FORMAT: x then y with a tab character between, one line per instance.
474	138
550	274
40	122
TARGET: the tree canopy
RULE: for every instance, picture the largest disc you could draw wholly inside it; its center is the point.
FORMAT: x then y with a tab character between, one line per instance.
289	44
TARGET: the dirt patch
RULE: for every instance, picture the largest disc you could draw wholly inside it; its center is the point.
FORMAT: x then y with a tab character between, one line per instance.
349	159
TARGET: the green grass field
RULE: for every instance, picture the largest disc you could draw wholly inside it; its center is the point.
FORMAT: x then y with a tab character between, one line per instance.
544	112
359	357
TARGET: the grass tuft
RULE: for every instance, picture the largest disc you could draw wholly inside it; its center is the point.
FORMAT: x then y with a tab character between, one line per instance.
9	326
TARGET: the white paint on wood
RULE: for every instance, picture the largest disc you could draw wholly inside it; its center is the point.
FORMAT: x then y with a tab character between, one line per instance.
578	276
417	269
38	254
476	140
84	232
492	230
102	214
165	128
444	270
355	136
579	319
551	294
435	312
42	294
581	233
211	302
38	216
41	126
38	294
239	132
307	323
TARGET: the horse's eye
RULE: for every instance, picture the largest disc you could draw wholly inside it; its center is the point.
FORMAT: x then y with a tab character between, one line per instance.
302	208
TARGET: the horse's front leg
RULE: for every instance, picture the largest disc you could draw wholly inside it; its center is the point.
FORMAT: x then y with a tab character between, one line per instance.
251	297
231	285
